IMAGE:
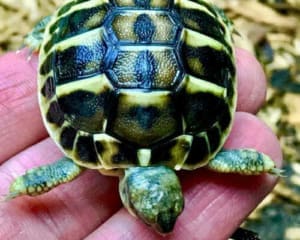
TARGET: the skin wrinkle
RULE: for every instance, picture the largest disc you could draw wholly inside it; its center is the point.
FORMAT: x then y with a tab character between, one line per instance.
234	200
23	227
46	218
6	132
253	95
205	214
198	190
18	103
8	90
18	115
76	220
111	235
209	201
22	162
72	213
25	86
207	196
82	197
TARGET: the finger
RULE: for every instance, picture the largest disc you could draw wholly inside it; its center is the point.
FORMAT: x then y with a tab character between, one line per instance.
20	120
252	83
74	209
215	204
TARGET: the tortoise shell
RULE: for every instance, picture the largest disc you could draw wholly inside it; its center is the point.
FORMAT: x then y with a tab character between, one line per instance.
138	82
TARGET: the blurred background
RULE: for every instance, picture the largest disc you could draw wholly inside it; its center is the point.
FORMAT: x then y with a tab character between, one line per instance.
270	29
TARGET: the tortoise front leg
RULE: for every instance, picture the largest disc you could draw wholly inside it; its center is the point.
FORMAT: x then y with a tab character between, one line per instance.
34	39
42	179
243	161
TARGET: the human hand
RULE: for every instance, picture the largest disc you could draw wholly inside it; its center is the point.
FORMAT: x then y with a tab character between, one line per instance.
89	207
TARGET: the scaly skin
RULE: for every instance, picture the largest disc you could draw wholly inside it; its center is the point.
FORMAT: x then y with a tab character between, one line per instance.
243	161
154	195
42	179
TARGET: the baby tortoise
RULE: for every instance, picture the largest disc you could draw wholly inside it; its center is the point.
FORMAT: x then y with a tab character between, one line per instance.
138	89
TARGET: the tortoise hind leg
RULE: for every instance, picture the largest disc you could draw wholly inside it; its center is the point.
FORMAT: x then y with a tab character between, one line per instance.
243	161
42	179
34	39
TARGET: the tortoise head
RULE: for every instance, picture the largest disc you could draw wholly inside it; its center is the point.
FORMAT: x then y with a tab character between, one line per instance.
154	195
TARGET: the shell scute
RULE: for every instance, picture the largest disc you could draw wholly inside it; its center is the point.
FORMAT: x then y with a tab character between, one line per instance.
80	57
85	151
150	27
48	90
172	153
204	62
144	118
114	153
67	137
199	152
55	115
159	4
156	68
86	103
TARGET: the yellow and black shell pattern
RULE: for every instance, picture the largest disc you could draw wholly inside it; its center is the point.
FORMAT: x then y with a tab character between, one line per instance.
138	82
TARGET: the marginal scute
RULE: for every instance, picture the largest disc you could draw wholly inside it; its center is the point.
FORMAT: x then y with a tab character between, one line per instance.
68	6
55	115
79	21
198	5
113	153
199	153
85	151
225	118
67	137
172	153
47	64
48	90
214	138
204	23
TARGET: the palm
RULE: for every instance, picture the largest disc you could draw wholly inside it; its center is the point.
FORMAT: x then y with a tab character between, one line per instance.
90	206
